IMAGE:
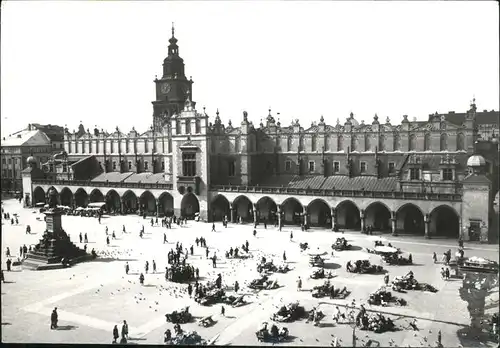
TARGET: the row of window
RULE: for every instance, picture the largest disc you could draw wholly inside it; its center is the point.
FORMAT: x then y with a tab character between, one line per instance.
446	173
197	127
146	165
336	166
96	147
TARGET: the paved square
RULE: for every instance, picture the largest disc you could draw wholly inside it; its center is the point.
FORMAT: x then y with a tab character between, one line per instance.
93	297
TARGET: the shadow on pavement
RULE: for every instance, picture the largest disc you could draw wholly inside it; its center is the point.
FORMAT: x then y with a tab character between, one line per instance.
149	286
66	327
110	259
6	324
331	265
8	282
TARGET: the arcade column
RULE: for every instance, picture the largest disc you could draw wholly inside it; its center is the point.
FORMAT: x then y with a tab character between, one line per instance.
233	213
157	208
362	219
304	213
122	206
278	213
334	218
427	221
254	207
393	223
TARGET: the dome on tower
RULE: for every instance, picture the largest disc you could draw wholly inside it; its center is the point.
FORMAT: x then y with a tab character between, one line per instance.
476	161
31	160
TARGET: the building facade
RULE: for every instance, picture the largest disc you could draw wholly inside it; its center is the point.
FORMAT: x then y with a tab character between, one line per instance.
406	177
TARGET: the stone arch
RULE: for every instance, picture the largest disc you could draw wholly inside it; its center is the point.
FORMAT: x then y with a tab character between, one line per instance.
81	198
292	211
147	203
243	208
39	195
166	204
112	200
66	197
348	216
96	196
189	206
266	209
130	204
320	213
378	216
412	143
444	221
410	219
220	208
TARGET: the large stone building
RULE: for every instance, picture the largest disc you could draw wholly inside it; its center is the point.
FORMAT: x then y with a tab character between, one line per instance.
432	177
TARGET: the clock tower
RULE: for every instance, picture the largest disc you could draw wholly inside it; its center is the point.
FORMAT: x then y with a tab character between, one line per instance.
172	89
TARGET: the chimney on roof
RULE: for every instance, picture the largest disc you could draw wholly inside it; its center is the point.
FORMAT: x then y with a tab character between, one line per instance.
485	110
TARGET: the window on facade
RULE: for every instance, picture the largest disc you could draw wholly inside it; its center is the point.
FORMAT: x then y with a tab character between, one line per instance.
129	165
231	168
301	143
336	167
396	142
189	164
340	143
146	165
367	142
61	146
3	160
443	143
9	161
197	125
414	174
460	142
427	142
412	144
54	146
163	166
15	161
362	167
51	168
177	127
313	143
392	167
447	174
114	165
311	166
354	143
288	166
64	167
188	126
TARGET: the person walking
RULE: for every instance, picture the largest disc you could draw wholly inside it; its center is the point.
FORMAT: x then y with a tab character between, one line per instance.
21	251
127	268
141	279
236	286
164	237
113	235
213	226
223	311
254	232
125	329
434	257
123	229
447	273
154	266
206	252
86	238
115	334
28	229
284	256
386	279
107	240
299	284
81	238
190	289
9	263
25	250
53	319
106	230
192	250
291	236
146	267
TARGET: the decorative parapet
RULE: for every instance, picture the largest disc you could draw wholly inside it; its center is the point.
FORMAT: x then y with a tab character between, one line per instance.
455	197
164	186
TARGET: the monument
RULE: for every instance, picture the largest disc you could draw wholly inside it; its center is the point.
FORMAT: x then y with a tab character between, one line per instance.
55	249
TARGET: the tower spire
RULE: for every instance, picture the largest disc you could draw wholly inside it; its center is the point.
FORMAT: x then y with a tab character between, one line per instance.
173	29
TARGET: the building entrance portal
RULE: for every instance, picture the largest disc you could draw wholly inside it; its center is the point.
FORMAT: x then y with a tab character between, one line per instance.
320	214
130	205
189	206
220	208
266	210
292	212
166	204
81	198
378	217
244	209
410	220
444	222
66	197
113	204
348	216
38	195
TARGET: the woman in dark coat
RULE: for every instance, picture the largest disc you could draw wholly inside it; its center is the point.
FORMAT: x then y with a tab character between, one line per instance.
115	334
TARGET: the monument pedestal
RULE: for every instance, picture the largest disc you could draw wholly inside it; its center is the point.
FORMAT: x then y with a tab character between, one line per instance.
54	246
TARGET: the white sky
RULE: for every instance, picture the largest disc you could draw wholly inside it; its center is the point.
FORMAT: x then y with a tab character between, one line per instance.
63	62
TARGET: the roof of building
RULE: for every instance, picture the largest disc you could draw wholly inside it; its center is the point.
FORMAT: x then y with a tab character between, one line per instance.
337	182
27	138
112	177
476	179
431	161
482	117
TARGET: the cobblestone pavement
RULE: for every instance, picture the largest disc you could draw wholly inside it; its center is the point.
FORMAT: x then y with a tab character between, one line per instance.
93	297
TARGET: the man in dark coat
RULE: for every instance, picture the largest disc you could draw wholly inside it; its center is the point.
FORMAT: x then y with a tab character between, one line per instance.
9	262
116	335
53	319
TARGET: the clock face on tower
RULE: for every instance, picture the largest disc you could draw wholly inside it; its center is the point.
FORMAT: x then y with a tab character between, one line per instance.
165	88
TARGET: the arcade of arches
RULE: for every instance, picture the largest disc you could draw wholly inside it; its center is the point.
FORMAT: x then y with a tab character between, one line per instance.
442	221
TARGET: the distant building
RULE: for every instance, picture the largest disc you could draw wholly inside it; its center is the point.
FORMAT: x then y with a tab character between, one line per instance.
436	177
15	150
